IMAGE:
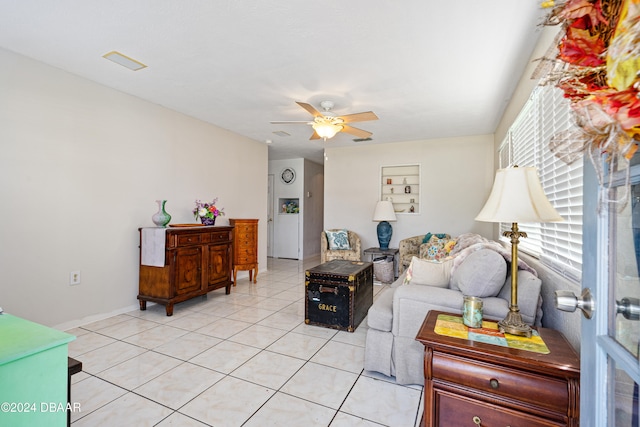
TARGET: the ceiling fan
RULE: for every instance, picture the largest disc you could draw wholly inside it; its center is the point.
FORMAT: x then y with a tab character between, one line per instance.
327	124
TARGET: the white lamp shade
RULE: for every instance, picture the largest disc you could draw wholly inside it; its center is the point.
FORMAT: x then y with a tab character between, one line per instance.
384	211
517	196
326	130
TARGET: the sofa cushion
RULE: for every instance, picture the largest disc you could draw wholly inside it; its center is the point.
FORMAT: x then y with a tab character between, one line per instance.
429	272
338	240
380	314
481	274
529	299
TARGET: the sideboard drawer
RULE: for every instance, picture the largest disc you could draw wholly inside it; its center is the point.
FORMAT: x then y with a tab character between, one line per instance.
541	391
220	236
189	239
457	411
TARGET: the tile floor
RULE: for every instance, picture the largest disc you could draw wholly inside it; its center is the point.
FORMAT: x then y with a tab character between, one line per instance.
245	359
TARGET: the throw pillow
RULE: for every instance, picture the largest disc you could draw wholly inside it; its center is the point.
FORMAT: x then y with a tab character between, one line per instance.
338	240
428	236
481	274
428	272
434	249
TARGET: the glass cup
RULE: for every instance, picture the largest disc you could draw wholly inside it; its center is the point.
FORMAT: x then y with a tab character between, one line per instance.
472	312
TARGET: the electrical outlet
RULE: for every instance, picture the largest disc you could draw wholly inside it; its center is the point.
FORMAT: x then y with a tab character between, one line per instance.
74	278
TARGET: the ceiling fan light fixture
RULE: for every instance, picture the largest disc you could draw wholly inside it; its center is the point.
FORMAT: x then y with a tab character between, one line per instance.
327	124
326	130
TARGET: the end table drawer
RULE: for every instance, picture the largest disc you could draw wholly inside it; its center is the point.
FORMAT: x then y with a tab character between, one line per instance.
523	386
455	411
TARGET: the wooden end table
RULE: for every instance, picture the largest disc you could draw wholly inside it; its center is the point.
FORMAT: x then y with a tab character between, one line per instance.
472	383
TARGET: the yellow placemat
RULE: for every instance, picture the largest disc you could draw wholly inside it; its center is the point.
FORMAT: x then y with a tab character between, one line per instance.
452	326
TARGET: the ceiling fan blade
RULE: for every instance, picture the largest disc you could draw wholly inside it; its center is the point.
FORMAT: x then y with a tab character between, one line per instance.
359	117
310	109
301	122
357	132
315	136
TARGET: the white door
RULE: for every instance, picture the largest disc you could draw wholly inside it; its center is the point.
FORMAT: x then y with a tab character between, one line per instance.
610	372
286	234
270	215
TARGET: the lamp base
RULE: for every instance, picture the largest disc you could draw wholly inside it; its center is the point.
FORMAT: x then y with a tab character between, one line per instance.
384	234
513	324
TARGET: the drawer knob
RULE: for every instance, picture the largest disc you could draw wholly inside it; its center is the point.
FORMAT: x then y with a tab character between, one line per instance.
494	383
477	421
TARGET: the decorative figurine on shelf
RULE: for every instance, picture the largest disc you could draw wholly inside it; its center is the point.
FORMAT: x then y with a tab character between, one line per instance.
389	181
407	189
412	209
404	180
391	190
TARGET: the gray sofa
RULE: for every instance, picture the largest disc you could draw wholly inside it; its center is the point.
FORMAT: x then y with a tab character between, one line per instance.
398	312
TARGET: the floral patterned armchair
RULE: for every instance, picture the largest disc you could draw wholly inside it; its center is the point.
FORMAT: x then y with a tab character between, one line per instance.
352	254
409	248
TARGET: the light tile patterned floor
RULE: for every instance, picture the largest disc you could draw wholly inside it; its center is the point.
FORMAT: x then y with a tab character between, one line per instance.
245	359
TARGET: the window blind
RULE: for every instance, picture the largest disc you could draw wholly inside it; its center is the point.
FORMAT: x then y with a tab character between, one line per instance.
556	244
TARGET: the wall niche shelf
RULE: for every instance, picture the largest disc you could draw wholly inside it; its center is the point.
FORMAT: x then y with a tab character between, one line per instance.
400	184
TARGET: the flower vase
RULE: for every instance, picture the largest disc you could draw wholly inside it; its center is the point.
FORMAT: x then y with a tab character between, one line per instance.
161	218
208	221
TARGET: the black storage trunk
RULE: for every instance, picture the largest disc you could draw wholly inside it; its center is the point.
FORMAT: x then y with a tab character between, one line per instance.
339	294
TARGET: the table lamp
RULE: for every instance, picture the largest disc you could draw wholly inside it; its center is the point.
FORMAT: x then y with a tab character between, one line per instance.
517	196
384	213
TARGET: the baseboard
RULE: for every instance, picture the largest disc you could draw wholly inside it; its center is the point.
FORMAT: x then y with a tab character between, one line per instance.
96	317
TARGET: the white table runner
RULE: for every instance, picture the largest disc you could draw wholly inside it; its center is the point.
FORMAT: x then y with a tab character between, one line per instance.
153	240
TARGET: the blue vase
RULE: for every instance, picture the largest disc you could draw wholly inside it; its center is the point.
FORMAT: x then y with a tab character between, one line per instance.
161	218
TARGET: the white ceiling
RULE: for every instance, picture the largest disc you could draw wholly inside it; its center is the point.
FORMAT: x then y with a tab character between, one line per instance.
428	69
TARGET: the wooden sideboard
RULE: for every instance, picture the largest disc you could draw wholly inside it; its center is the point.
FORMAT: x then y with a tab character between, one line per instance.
197	260
471	383
245	247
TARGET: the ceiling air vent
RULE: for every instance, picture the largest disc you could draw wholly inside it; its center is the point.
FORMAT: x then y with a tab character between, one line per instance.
362	139
124	60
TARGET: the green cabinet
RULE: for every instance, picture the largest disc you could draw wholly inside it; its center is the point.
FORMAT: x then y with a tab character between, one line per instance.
33	373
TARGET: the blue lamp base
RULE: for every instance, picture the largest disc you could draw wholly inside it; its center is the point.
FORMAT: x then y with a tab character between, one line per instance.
384	234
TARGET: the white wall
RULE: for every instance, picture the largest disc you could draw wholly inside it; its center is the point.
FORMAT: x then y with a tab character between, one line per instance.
81	166
456	178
